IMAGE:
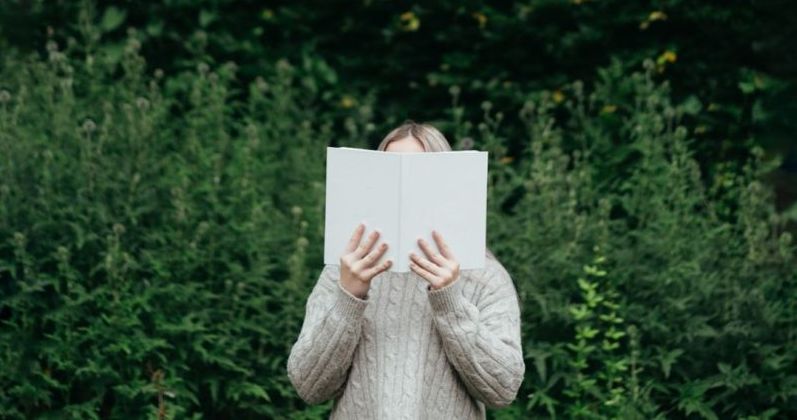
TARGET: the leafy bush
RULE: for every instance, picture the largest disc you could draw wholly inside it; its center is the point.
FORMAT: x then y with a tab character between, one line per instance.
159	234
148	256
732	59
691	309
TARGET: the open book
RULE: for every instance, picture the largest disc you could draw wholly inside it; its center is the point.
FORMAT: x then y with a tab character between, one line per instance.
405	195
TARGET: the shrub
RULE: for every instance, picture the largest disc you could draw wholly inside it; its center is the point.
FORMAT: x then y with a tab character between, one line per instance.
159	234
692	311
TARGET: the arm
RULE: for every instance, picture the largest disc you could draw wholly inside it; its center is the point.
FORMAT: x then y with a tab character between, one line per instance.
482	341
320	359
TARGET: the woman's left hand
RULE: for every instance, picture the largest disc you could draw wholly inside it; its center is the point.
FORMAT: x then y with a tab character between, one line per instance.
439	269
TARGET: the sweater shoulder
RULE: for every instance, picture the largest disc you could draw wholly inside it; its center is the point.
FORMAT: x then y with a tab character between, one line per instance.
330	271
328	277
493	277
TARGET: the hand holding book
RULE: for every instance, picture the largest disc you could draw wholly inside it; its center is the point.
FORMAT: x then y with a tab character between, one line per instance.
439	269
406	195
358	263
358	266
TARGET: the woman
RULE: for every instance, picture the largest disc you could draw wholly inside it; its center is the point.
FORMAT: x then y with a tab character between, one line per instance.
432	343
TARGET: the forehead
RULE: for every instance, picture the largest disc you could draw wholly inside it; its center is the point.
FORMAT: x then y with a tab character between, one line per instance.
406	144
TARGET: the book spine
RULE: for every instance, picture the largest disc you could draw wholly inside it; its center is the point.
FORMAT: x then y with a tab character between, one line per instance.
400	238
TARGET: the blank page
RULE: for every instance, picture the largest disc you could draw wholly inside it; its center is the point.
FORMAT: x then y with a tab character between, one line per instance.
361	185
405	195
445	191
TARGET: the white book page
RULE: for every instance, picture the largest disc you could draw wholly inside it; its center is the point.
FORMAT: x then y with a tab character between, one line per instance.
361	186
445	191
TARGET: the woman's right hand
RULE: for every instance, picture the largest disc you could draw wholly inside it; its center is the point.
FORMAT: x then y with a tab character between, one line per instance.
357	265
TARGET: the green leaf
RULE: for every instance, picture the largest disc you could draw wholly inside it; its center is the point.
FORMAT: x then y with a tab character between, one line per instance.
692	105
206	17
155	28
112	18
667	359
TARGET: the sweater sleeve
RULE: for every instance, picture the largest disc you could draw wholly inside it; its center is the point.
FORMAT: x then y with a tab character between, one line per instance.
320	359
482	340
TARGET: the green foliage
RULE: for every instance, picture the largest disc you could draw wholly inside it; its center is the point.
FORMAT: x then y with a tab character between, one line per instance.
705	271
733	60
137	246
160	232
598	335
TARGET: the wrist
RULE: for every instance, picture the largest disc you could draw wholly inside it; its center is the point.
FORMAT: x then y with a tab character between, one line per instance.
440	286
355	290
446	298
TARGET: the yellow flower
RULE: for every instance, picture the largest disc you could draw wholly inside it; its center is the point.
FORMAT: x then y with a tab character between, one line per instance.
480	17
700	129
608	109
347	101
654	16
409	22
667	57
267	14
558	96
506	159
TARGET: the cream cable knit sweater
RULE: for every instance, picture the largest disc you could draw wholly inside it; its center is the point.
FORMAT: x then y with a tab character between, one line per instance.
406	352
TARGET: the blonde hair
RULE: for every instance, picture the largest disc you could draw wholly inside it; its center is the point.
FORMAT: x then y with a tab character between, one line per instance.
430	137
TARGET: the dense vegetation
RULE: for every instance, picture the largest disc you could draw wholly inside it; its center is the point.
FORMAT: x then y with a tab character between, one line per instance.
161	226
735	60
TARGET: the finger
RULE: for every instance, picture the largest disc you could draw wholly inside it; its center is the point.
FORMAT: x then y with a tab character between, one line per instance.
426	264
373	271
364	248
355	238
373	256
444	248
431	254
429	277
